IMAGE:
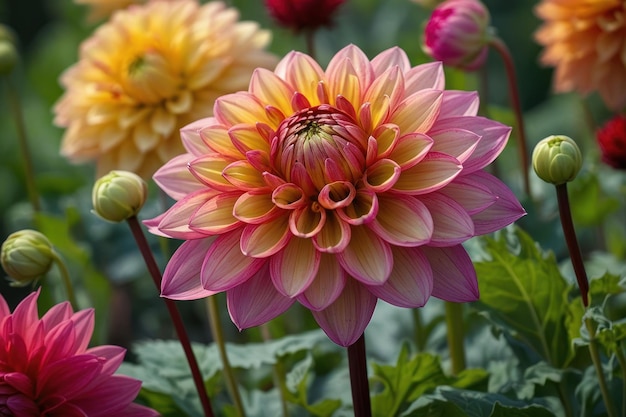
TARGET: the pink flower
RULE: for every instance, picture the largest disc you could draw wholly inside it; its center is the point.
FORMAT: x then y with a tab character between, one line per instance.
334	188
303	14
46	369
612	142
457	34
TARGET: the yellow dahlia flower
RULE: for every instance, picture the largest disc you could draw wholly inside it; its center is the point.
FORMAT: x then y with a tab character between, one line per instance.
585	40
100	9
149	71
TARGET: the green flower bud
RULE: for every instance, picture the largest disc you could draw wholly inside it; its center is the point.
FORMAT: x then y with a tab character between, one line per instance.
557	159
119	195
26	256
8	57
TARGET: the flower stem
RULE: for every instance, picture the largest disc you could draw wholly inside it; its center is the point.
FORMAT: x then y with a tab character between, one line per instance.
597	364
153	268
29	172
279	372
357	362
622	364
455	335
502	49
218	337
67	282
572	243
418	329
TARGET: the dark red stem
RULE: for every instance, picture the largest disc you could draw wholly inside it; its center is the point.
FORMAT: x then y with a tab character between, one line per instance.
357	362
177	320
572	243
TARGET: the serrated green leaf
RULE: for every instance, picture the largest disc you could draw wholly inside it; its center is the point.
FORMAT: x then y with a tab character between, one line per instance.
482	404
524	292
605	286
412	377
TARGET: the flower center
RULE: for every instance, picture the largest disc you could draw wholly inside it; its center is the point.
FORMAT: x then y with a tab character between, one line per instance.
322	144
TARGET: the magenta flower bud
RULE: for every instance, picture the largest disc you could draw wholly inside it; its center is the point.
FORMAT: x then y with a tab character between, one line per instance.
458	33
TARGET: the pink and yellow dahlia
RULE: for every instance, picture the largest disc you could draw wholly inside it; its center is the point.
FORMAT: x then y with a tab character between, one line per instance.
334	188
149	71
585	41
47	370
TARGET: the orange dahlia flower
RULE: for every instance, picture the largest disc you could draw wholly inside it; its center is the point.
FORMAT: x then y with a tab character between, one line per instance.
585	40
149	71
100	9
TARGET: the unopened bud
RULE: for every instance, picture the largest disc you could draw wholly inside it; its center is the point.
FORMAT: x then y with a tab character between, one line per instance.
26	256
8	57
119	195
557	159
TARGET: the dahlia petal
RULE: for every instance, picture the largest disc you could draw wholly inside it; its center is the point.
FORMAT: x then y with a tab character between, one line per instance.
307	221
494	136
191	137
302	72
225	266
345	320
452	224
255	208
410	282
384	139
343	81
59	342
218	139
25	317
83	328
180	103
270	88
215	216
136	410
459	103
473	196
389	86
288	196
459	143
411	149
259	160
326	285
19	382
503	212
57	314
244	176
454	276
265	239
68	377
382	175
175	222
336	194
367	257
358	62
175	179
402	221
19	405
208	169
423	77
145	138
181	278
163	122
418	112
294	268
4	308
114	356
241	107
256	301
363	209
334	235
389	58
110	397
246	138
434	172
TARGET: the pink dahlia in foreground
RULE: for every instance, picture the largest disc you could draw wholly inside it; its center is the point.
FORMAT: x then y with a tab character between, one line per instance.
46	369
333	189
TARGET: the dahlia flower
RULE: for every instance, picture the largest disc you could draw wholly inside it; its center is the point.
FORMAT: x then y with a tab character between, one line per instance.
334	188
611	139
100	9
585	42
458	33
303	14
149	71
47	370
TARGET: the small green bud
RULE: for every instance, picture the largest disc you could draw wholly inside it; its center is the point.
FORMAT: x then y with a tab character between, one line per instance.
557	159
26	256
119	195
8	57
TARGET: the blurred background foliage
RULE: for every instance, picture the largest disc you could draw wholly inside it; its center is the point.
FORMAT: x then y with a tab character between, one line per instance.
107	270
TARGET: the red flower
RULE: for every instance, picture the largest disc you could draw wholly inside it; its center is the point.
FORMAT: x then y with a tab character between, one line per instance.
612	141
300	15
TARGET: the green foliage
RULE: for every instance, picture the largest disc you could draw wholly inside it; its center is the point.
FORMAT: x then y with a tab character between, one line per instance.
524	293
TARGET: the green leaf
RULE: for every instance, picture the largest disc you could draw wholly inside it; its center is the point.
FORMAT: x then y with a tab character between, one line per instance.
605	286
411	378
523	291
